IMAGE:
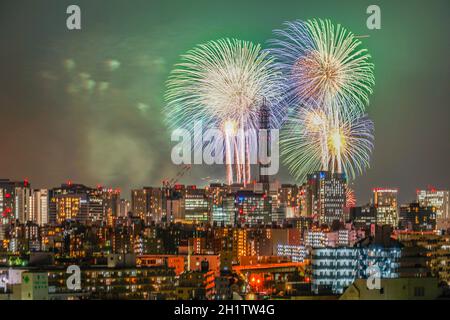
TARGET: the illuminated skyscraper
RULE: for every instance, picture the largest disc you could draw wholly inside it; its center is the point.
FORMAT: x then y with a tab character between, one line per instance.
253	208
196	205
225	214
326	196
386	206
290	199
124	207
77	202
39	206
438	199
147	204
15	198
111	205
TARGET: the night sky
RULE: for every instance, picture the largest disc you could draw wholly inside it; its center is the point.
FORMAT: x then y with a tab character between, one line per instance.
87	105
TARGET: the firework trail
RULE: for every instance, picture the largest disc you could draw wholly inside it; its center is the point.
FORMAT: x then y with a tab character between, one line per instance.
223	84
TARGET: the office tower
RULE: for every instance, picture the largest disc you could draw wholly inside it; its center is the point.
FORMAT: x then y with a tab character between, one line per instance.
438	199
253	208
287	195
14	203
23	202
289	200
279	214
225	214
217	194
303	201
95	204
326	196
147	204
241	244
386	206
139	202
124	207
173	204
414	217
39	206
111	205
76	202
196	205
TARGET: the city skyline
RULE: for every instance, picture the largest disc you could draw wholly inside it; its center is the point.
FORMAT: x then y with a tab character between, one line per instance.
127	195
225	152
57	128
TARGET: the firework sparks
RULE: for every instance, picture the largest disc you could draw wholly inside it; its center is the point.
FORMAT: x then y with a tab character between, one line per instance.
350	198
313	139
324	63
329	79
224	84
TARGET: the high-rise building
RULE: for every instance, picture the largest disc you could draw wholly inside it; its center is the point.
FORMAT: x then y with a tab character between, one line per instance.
111	205
225	214
124	207
76	202
289	198
174	204
95	198
147	204
326	196
253	208
438	199
15	198
386	206
334	269
196	205
39	206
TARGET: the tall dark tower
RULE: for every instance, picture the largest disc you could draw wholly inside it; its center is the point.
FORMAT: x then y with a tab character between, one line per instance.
264	124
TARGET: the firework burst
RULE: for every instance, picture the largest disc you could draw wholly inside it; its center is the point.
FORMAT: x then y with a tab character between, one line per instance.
329	79
224	84
350	198
324	64
313	140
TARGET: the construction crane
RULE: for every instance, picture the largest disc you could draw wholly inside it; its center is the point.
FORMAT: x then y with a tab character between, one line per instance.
169	193
168	184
